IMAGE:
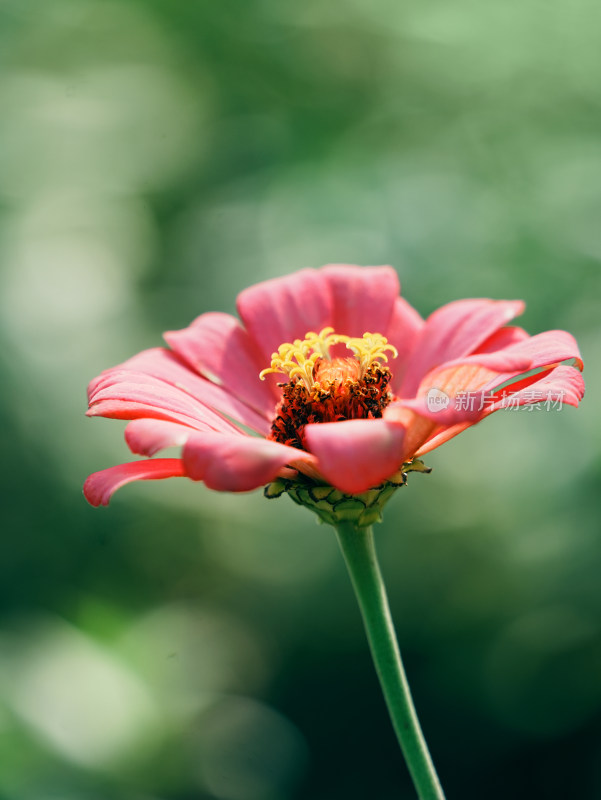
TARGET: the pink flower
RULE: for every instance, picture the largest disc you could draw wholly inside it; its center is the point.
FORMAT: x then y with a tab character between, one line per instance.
354	384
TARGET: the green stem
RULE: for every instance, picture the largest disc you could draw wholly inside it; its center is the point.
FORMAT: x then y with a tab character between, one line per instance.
358	549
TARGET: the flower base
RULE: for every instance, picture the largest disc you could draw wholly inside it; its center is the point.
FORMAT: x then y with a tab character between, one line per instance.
333	506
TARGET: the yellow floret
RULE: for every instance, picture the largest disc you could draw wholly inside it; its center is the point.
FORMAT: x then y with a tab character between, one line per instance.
297	359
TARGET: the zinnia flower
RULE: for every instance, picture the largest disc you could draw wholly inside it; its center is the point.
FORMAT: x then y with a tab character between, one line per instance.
331	381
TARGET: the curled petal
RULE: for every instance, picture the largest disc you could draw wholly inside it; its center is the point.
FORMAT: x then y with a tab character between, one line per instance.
355	455
230	463
100	486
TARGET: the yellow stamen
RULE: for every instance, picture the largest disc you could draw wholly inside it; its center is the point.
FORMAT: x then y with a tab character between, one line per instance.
297	359
372	347
322	341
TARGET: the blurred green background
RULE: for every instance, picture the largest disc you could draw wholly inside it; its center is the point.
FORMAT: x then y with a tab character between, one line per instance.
156	157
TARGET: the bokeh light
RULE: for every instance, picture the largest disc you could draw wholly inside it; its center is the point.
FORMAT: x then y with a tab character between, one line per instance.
155	159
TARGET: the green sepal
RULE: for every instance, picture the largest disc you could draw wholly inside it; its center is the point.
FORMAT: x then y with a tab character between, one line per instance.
274	489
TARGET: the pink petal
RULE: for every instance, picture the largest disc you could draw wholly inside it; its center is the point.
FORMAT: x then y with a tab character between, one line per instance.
503	338
483	373
129	395
170	375
547	348
284	309
439	394
509	360
417	429
424	417
363	298
122	409
358	454
403	332
454	331
441	436
168	367
562	385
219	348
230	463
145	437
100	486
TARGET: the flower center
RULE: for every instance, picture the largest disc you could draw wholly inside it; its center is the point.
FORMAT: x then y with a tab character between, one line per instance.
322	388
